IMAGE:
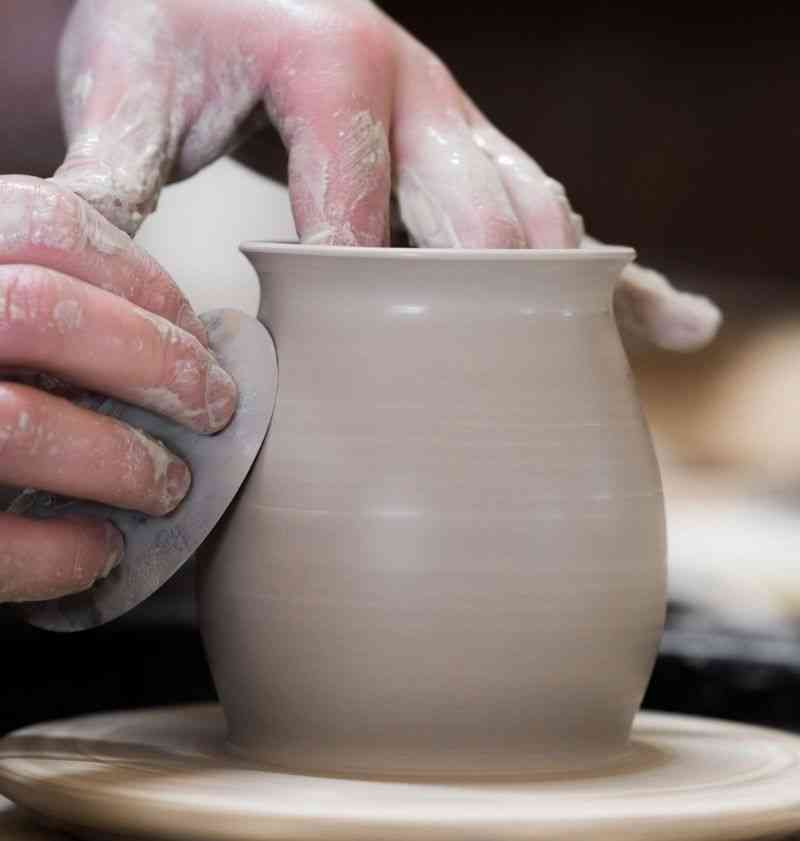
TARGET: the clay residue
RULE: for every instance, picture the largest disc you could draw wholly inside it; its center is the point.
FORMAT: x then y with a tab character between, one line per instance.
18	301
13	219
170	485
167	402
539	201
81	89
340	196
67	315
426	219
118	160
217	397
159	457
101	235
199	393
231	92
450	195
40	212
168	332
648	307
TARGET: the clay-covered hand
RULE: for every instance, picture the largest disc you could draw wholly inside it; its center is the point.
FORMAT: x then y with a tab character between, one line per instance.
82	303
156	89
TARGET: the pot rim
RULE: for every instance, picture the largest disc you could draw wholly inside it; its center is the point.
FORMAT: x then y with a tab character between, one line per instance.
298	249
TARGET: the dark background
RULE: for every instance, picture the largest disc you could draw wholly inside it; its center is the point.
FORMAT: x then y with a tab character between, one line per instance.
674	132
671	131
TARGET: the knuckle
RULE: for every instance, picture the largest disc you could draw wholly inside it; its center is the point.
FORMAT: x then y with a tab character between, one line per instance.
357	35
21	433
47	214
187	387
26	295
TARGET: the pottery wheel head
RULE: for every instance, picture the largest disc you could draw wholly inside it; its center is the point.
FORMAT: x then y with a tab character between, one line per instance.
157	547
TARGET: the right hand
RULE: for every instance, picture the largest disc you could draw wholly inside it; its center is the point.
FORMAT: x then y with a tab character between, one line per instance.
81	302
156	91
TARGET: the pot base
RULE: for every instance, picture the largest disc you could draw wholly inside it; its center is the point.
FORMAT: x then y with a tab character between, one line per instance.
165	774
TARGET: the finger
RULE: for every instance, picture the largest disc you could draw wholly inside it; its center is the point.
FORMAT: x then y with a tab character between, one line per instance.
148	94
450	194
540	202
648	308
118	92
50	444
333	118
46	559
44	223
52	322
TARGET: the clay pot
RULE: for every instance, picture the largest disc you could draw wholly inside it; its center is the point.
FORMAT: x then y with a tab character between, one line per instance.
449	556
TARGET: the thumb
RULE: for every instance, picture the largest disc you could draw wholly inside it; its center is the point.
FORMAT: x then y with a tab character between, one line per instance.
649	308
117	101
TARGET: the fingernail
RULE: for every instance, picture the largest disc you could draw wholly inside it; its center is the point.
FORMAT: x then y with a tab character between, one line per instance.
115	550
222	395
188	321
176	484
693	323
171	475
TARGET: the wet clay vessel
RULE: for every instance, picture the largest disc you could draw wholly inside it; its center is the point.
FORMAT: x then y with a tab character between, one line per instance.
449	556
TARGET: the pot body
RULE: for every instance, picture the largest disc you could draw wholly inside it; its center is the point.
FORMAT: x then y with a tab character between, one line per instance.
450	554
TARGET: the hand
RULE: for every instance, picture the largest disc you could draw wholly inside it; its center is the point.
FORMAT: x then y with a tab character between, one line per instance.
156	90
81	302
159	89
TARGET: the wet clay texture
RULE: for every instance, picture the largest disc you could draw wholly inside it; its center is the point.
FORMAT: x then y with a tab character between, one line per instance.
449	557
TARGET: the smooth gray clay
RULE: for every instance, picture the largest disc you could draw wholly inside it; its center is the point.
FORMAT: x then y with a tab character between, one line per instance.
449	556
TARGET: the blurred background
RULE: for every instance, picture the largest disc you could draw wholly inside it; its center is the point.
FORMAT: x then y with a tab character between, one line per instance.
677	134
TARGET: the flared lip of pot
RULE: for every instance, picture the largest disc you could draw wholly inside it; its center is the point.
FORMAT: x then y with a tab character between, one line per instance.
297	249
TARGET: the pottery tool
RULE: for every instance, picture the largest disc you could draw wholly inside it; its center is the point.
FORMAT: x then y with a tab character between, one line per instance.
157	547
